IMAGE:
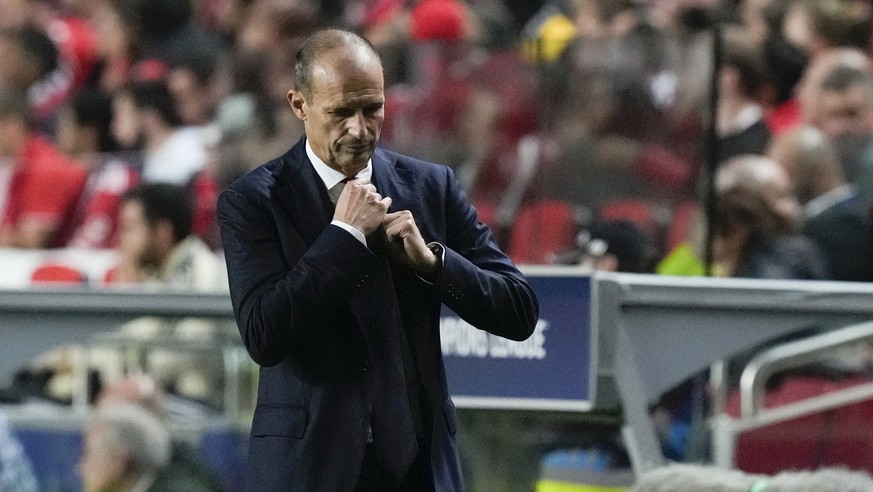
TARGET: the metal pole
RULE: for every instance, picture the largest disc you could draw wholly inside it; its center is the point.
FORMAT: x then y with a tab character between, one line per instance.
712	148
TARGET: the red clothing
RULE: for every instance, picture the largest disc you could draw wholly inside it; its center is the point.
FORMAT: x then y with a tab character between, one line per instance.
784	117
96	222
76	41
45	186
205	189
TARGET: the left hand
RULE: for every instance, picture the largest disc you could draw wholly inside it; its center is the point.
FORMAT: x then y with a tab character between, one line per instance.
405	244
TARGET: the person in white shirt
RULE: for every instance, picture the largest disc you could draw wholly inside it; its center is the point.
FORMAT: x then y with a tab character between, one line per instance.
145	116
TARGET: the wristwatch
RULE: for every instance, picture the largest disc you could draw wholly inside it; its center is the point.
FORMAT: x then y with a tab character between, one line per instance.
440	252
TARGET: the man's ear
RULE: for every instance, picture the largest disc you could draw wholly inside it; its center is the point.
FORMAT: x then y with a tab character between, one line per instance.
298	103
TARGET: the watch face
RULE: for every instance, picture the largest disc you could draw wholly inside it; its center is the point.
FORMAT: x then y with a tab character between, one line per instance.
438	251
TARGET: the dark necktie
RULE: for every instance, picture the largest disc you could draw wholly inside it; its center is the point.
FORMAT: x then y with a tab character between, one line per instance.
394	432
337	189
392	421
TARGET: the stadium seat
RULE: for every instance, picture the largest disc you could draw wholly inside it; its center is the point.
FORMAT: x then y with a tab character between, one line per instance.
55	273
640	212
540	230
839	437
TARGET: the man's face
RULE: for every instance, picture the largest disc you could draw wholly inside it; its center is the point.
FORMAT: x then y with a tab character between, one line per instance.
194	98
845	114
11	129
136	237
100	469
125	120
16	71
343	115
68	135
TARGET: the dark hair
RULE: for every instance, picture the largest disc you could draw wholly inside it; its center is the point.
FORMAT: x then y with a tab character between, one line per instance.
38	47
842	78
165	201
92	108
787	65
632	247
835	23
14	104
742	207
748	60
154	94
318	44
201	64
157	18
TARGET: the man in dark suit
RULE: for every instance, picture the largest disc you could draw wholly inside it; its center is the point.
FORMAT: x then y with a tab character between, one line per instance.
340	304
836	214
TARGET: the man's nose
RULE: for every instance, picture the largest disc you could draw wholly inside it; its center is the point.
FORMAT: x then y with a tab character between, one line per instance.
357	125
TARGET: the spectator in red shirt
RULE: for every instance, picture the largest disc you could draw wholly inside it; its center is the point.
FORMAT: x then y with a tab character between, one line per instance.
39	187
57	53
84	134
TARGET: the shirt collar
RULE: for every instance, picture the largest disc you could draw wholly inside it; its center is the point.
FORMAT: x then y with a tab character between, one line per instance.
331	176
827	200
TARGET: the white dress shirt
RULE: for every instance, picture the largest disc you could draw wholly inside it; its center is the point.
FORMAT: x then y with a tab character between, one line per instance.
331	177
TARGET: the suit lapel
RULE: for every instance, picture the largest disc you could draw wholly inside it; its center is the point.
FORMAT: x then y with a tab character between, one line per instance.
300	193
392	181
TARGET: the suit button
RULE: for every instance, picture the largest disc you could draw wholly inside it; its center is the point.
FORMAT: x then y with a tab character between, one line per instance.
366	366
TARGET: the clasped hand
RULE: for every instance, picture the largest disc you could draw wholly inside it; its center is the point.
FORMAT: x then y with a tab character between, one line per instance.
363	208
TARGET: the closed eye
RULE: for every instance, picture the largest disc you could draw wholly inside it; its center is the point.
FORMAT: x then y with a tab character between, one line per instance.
372	109
343	112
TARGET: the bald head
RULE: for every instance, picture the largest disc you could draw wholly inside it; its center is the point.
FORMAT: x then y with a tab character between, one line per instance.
344	45
811	161
340	97
752	172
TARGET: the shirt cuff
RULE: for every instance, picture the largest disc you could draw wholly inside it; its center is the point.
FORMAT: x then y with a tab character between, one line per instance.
440	251
351	230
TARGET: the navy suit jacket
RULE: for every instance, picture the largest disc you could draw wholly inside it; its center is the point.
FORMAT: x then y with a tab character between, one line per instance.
305	298
844	234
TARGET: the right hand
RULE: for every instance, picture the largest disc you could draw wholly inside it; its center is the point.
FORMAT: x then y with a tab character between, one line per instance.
361	206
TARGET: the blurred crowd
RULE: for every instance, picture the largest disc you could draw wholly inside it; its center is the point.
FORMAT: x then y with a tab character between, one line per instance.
584	131
565	120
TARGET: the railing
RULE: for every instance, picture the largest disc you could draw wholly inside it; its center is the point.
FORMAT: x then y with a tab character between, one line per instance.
646	333
754	415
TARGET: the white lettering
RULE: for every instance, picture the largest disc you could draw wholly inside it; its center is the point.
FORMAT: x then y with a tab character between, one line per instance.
461	339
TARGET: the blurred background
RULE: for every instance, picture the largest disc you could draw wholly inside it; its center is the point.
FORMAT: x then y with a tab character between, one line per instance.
722	138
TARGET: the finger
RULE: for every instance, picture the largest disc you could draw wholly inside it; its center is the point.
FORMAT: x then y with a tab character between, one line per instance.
390	218
373	197
402	228
365	188
395	215
403	220
396	233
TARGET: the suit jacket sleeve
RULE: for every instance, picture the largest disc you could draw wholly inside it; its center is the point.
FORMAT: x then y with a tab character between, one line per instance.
478	281
274	302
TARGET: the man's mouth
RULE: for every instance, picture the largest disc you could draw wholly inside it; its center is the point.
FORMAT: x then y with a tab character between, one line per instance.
357	149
